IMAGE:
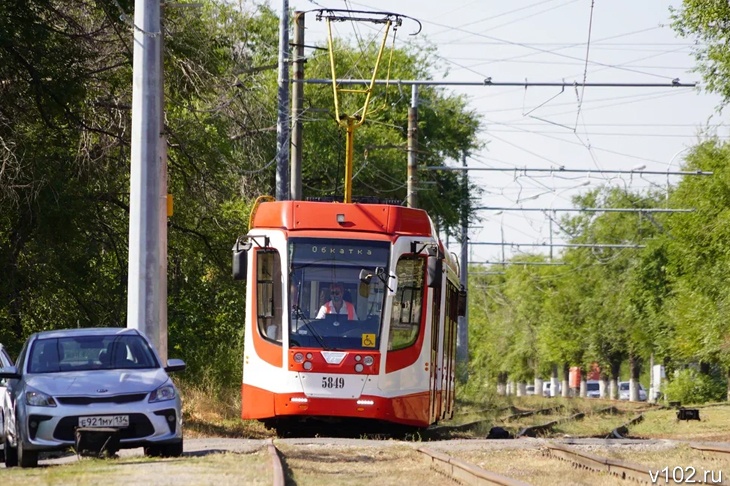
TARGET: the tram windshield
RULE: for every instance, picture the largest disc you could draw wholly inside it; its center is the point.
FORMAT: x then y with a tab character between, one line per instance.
336	292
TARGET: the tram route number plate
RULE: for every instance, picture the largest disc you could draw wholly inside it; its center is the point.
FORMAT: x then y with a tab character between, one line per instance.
333	382
104	421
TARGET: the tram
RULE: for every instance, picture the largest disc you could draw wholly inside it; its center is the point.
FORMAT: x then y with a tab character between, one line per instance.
390	358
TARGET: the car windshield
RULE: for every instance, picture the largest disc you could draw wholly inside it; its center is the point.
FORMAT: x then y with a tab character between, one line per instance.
623	386
592	386
91	352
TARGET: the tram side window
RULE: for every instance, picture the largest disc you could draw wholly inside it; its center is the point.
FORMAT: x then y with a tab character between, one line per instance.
268	294
405	320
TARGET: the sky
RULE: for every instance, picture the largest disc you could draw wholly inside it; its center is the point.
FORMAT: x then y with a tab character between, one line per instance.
527	131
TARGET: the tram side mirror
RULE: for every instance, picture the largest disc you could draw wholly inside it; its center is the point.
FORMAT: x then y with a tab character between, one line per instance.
461	304
364	290
364	287
435	272
240	260
365	277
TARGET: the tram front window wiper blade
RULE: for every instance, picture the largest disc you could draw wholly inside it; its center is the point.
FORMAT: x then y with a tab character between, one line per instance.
298	314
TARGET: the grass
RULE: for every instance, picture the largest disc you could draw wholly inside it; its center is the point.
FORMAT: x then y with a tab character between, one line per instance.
217	413
212	412
211	469
714	425
345	465
533	467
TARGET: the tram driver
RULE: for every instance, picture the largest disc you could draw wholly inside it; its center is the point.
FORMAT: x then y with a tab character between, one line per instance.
337	304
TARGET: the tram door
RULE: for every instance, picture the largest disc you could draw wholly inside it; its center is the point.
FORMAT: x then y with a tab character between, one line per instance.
434	366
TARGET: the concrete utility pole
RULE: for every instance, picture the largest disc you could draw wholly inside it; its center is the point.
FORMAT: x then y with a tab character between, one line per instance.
295	183
282	121
163	209
412	196
146	297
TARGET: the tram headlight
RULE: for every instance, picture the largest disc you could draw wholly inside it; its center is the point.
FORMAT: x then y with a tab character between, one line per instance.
358	358
359	367
309	355
307	365
298	357
368	360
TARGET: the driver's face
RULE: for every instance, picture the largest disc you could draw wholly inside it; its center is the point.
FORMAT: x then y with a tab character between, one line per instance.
336	294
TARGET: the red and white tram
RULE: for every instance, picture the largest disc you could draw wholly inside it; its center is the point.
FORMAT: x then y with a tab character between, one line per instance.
392	359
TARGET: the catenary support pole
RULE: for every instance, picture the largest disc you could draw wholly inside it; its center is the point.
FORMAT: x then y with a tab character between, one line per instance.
295	181
412	194
462	337
282	120
144	296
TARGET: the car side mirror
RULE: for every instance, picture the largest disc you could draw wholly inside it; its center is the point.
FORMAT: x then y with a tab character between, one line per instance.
175	365
9	372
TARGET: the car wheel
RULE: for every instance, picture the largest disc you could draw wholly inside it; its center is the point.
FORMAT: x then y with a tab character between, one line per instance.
11	454
26	458
165	450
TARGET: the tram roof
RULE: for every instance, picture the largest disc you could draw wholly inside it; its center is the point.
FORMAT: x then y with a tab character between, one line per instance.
334	216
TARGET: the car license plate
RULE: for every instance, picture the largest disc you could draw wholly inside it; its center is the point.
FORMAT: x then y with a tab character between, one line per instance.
104	421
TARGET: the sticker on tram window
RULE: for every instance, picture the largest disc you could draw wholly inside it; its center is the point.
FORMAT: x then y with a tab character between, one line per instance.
333	382
368	340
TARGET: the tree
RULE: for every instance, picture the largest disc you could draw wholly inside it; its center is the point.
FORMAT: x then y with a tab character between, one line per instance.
698	255
708	23
64	184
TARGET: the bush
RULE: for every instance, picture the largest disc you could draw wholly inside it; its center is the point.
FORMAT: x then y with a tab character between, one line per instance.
691	386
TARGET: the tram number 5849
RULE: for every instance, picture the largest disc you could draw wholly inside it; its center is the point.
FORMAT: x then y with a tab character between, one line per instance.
331	382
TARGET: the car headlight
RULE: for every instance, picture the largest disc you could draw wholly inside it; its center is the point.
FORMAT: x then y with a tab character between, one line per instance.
36	398
163	393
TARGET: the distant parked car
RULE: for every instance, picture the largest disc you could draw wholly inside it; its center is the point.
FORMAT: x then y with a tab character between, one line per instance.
89	378
546	388
593	389
5	362
623	391
530	390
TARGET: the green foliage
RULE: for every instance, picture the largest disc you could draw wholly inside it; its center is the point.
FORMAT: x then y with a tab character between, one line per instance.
476	390
65	119
690	386
707	22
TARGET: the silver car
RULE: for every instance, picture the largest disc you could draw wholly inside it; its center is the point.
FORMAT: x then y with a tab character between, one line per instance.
5	362
89	378
623	391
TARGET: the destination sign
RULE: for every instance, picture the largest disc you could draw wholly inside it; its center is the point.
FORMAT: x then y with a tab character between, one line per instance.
368	253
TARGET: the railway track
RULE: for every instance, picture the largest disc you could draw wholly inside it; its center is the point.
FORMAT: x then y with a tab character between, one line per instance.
455	469
306	461
642	473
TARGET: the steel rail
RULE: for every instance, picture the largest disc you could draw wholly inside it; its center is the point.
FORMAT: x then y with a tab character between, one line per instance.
534	430
616	467
622	431
464	472
710	447
278	470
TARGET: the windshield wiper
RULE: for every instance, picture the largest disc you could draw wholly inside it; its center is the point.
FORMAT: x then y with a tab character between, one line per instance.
298	314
